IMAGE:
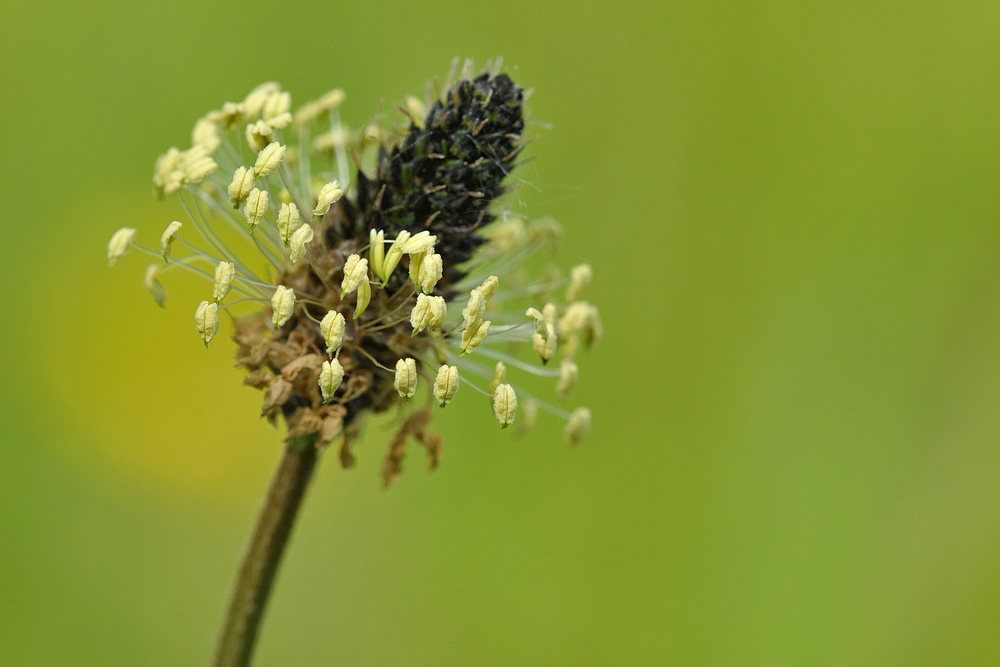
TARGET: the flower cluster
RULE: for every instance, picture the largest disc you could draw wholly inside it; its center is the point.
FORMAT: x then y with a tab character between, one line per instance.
397	273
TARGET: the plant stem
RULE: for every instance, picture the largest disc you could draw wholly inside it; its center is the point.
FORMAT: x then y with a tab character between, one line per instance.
238	635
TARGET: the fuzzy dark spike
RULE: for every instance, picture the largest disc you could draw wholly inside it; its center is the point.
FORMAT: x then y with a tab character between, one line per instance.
444	177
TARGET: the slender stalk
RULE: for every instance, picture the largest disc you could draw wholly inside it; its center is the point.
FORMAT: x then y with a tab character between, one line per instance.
259	568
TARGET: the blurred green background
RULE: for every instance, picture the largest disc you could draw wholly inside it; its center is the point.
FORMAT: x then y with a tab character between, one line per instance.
791	210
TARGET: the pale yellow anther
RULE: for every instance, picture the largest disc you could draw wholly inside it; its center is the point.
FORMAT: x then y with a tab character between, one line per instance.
430	312
269	159
416	110
330	377
418	243
288	222
308	113
594	330
508	235
529	414
474	311
230	115
376	251
168	175
332	327
580	277
364	297
415	262
276	104
257	98
154	286
255	207
282	306
280	121
297	246
241	185
489	287
328	194
259	134
120	244
355	272
206	321
539	320
575	319
393	255
331	100
446	384
499	376
224	273
577	427
167	238
206	134
569	373
504	404
545	346
406	377
196	170
431	270
473	336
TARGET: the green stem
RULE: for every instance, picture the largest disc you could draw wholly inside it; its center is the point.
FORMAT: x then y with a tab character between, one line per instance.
259	568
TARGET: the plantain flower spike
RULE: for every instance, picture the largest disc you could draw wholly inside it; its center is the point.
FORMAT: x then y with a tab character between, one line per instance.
288	222
406	378
167	238
332	327
282	306
328	195
504	404
330	377
348	209
120	244
206	321
224	273
446	384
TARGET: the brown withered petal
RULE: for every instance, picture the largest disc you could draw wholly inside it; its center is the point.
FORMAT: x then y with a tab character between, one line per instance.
308	362
303	423
277	395
258	379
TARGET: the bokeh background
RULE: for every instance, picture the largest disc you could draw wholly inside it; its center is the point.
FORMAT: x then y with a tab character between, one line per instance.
792	213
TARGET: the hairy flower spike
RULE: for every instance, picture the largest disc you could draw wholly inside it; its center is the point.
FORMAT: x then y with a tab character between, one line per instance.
282	306
332	328
269	159
577	427
446	384
167	238
330	377
206	321
433	190
579	279
224	273
255	207
504	404
406	377
302	236
288	222
328	195
120	244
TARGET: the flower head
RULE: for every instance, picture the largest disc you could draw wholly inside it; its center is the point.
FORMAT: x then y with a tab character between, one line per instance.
350	335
